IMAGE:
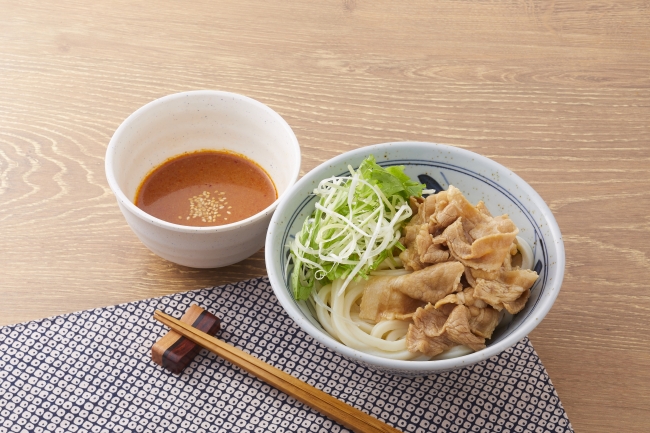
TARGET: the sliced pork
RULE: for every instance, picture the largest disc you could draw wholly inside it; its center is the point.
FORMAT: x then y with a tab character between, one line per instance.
433	332
381	301
510	290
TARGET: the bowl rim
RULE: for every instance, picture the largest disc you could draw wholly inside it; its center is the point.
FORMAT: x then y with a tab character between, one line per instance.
422	367
129	121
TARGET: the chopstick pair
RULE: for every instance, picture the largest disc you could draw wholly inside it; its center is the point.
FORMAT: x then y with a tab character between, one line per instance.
332	407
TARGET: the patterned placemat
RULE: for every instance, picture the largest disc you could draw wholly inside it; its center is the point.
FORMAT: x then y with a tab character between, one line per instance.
92	372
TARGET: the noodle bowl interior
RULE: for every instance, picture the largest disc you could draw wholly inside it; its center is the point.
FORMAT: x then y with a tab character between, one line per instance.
462	273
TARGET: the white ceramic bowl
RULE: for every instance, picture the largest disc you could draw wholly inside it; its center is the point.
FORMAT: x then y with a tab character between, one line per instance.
191	121
479	178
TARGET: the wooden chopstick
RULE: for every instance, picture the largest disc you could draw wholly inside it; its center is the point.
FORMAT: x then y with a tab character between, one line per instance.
334	408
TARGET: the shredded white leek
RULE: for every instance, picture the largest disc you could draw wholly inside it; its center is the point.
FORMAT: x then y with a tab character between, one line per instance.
355	226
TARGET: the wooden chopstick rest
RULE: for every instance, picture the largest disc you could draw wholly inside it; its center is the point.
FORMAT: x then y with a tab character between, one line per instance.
175	352
341	412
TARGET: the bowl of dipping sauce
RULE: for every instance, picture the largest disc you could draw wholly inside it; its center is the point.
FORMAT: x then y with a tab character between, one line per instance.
198	175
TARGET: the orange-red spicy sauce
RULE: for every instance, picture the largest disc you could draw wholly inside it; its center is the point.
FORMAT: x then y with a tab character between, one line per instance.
206	188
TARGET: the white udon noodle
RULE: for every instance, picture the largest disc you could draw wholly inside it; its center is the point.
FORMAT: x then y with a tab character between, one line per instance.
338	314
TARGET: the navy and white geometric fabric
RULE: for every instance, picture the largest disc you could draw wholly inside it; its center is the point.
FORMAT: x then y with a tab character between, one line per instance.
92	372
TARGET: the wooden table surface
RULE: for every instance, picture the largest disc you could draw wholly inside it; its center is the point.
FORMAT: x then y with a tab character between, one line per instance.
558	91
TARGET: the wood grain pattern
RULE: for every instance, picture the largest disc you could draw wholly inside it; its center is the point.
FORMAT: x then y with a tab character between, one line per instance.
558	91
